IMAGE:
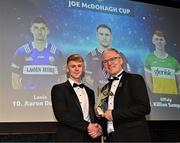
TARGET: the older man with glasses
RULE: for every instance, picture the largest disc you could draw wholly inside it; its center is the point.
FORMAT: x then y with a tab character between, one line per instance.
124	119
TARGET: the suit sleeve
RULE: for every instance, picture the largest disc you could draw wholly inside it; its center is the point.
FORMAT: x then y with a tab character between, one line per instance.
64	113
138	104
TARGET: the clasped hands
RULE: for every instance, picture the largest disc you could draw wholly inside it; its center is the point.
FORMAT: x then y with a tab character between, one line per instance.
94	130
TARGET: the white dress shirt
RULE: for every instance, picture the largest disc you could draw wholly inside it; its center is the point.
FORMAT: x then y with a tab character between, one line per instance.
83	100
114	85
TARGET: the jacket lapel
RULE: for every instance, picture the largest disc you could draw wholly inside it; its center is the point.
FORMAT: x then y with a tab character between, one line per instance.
73	94
122	82
91	112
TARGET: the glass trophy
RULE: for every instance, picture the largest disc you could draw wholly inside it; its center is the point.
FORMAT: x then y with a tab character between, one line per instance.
101	105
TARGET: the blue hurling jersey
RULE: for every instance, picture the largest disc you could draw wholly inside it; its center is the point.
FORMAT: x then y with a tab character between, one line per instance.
39	69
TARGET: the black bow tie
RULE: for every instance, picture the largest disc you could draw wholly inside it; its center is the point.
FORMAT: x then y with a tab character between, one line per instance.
80	85
112	79
115	77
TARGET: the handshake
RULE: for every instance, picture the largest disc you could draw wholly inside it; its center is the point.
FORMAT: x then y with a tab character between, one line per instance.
94	130
101	109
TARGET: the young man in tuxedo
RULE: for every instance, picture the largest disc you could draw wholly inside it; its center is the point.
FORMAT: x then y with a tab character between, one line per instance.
124	120
73	106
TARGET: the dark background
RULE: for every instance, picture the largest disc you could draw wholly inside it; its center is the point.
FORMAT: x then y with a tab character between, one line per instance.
161	131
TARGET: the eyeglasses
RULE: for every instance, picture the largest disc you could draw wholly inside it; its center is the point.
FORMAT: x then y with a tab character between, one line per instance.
110	60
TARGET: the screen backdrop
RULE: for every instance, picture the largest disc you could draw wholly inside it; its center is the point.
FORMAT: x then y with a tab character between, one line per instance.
72	25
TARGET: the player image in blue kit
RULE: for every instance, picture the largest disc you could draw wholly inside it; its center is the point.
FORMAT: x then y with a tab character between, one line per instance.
37	65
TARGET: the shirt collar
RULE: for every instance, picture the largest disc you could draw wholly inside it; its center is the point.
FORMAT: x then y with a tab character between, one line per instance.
72	82
118	75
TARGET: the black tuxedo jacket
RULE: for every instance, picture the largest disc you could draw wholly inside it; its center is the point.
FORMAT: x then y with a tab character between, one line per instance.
68	112
131	104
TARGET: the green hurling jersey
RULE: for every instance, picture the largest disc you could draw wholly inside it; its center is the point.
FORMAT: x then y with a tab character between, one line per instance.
163	73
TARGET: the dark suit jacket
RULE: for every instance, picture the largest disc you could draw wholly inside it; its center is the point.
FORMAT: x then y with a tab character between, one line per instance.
131	104
68	112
